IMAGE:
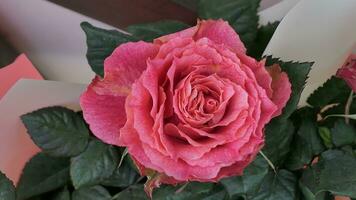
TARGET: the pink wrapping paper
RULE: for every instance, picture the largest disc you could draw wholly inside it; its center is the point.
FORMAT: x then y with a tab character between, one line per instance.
20	145
20	68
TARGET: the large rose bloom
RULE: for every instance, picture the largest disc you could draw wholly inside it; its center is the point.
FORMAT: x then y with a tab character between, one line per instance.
191	105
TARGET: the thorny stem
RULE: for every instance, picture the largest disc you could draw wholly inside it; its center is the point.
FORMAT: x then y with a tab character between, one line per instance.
269	162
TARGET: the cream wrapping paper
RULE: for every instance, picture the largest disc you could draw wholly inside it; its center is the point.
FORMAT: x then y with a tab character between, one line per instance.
276	12
320	31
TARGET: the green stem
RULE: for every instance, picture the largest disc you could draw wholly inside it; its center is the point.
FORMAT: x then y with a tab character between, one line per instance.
181	188
348	105
269	162
122	157
352	116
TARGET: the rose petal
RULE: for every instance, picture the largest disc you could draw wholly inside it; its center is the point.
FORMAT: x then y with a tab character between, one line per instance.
348	75
103	109
235	169
179	169
129	138
141	104
128	61
261	74
188	150
281	88
220	32
187	33
348	72
103	102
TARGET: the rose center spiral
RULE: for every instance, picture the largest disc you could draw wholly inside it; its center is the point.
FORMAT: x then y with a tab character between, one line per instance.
200	99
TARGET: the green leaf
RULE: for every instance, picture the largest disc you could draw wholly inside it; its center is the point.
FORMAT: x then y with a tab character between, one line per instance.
95	164
264	35
218	193
330	92
325	135
62	194
241	14
150	31
335	172
101	43
342	133
297	74
348	149
58	131
124	176
280	186
7	189
308	195
191	191
133	192
42	174
278	137
306	145
92	193
249	183
190	4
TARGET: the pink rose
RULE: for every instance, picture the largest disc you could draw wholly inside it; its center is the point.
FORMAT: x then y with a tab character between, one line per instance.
348	72
191	105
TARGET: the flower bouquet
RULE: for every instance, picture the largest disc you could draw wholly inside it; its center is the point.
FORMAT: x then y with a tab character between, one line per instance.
194	112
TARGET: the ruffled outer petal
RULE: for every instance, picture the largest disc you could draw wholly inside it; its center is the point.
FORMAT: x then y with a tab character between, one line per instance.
272	80
262	76
281	88
103	103
128	61
218	31
104	112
